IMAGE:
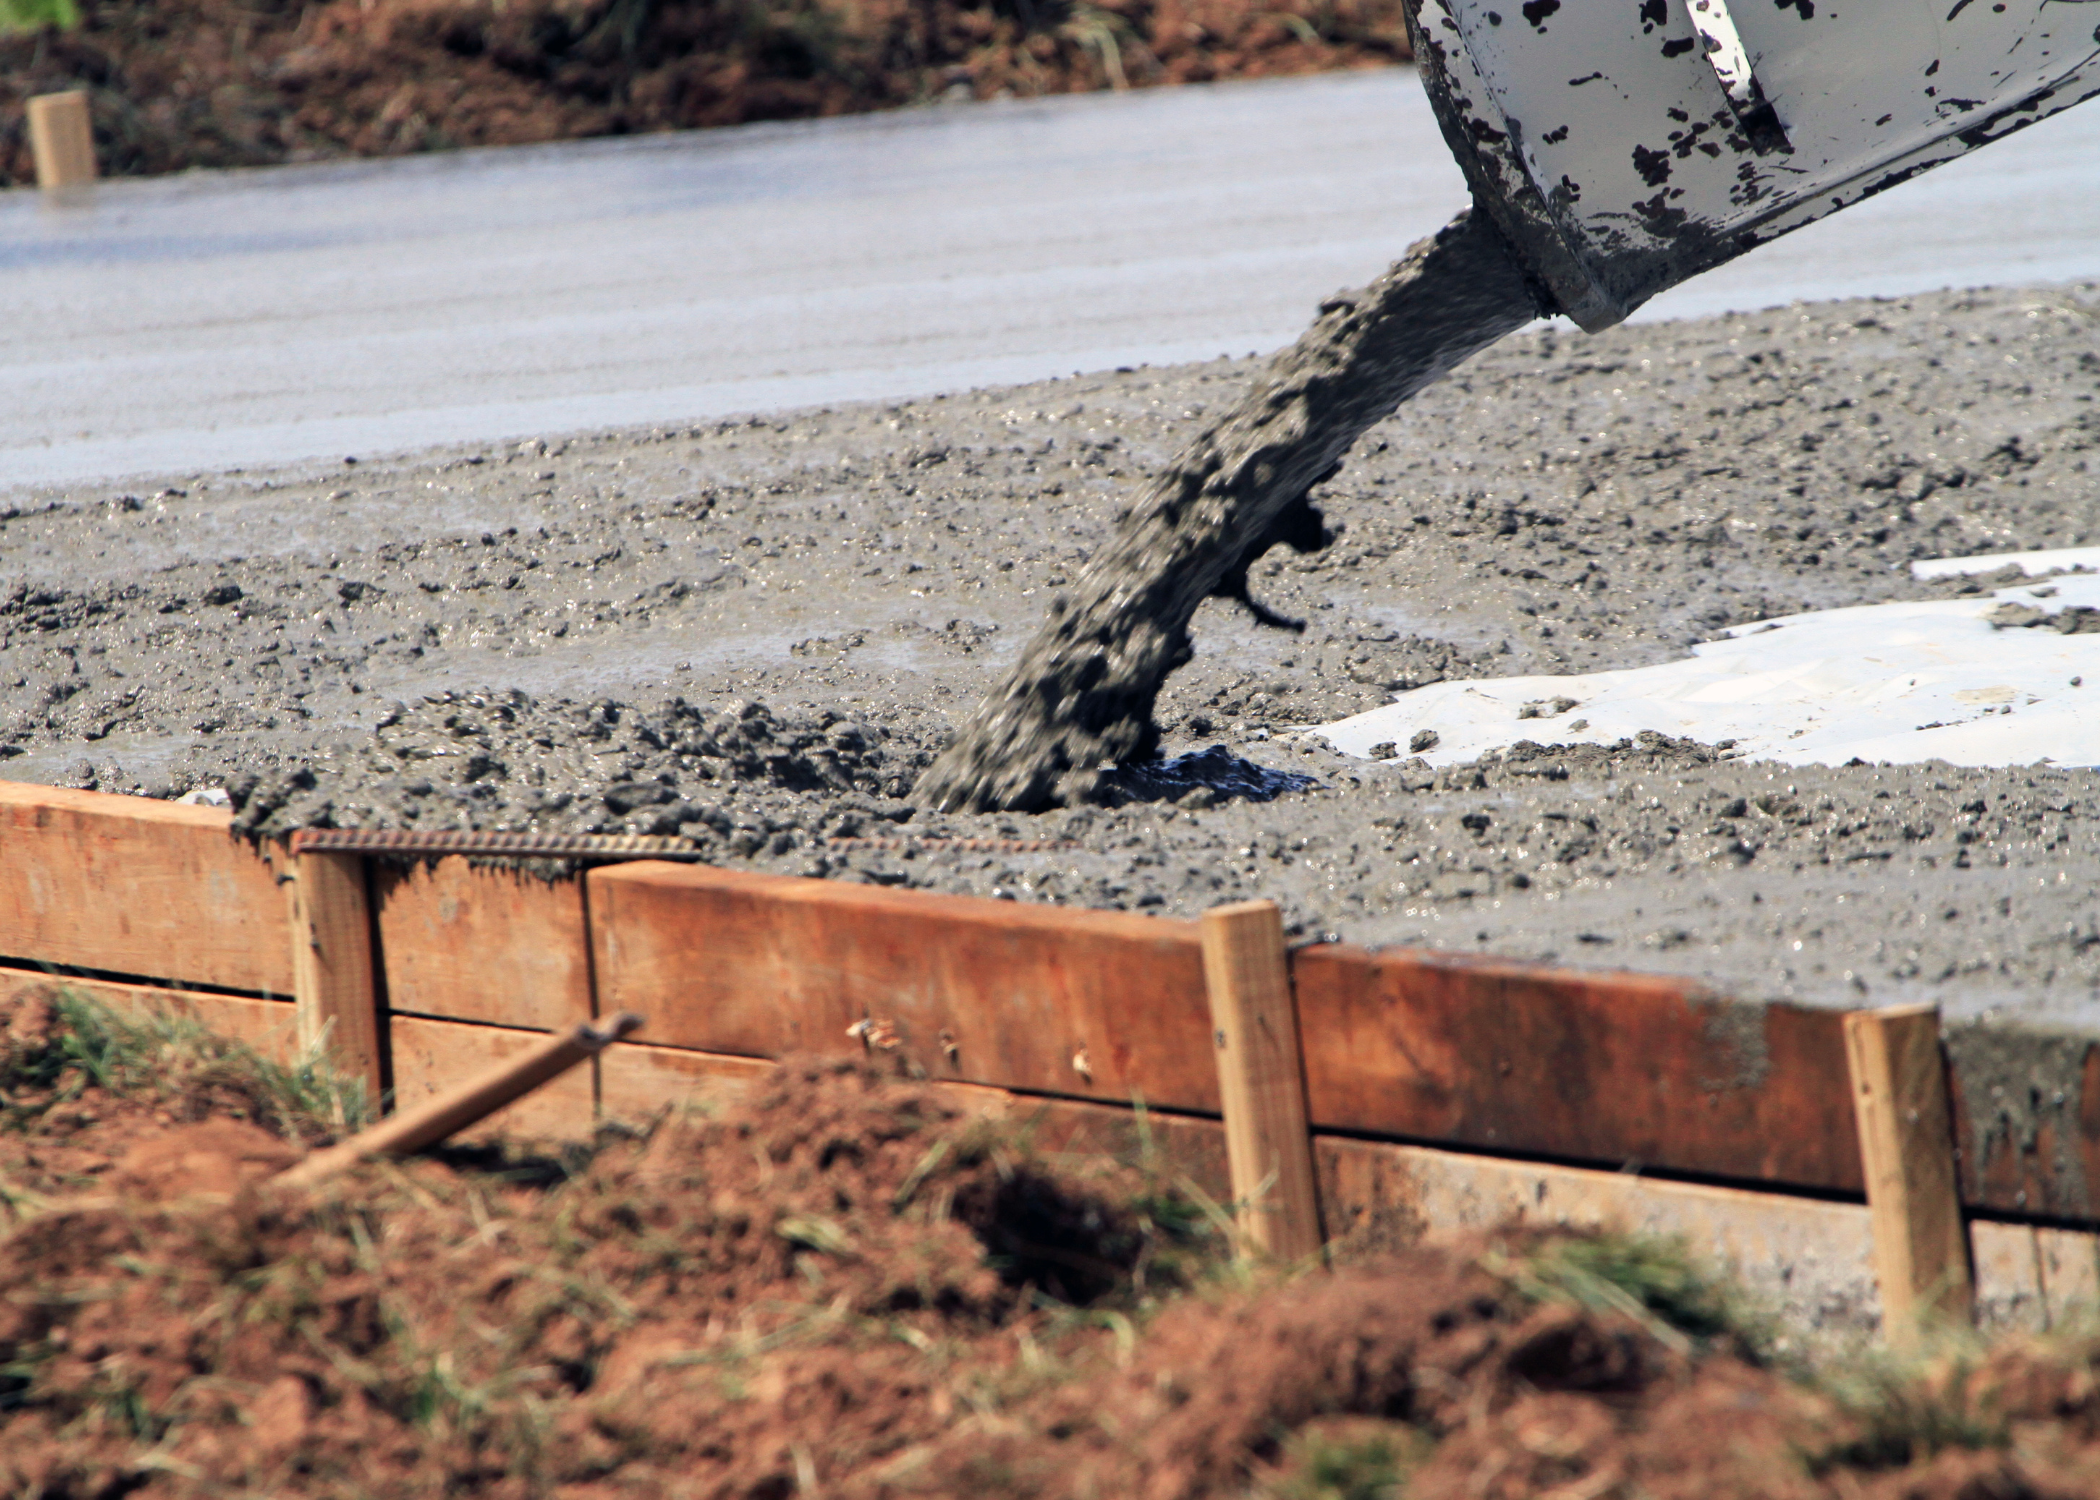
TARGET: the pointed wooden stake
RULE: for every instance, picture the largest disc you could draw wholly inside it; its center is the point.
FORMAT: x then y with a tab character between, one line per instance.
1255	1028
1906	1145
334	976
62	140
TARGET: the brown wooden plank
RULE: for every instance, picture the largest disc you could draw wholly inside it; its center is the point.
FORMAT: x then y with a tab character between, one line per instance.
1255	1032
636	1080
335	979
137	886
475	943
1605	1067
2067	1268
1179	1148
270	1027
62	140
1045	999
432	1056
1906	1140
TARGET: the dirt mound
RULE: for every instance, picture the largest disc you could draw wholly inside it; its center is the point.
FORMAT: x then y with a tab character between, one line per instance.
144	1106
721	1305
847	1284
217	83
209	1158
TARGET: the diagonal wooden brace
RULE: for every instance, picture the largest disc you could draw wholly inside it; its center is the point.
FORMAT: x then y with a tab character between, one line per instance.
454	1110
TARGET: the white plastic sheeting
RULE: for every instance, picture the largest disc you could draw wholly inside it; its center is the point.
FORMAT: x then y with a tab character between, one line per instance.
1881	682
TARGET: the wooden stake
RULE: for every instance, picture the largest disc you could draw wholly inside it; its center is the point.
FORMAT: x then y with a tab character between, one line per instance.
62	139
1255	1028
1906	1145
457	1108
334	977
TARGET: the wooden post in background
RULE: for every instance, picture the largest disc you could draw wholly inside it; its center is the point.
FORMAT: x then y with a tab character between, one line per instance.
334	977
1255	1029
62	139
1906	1145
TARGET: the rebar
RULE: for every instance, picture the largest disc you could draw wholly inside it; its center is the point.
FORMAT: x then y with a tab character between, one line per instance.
529	845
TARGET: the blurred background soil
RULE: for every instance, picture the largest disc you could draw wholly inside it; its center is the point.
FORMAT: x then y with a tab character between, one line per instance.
222	83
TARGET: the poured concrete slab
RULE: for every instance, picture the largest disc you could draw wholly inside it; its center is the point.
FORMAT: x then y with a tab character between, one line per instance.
227	319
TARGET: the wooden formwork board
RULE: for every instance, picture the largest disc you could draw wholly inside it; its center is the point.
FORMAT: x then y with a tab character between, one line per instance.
2036	1148
1449	1050
270	1027
1812	1258
637	1080
432	1056
478	943
1609	1067
1618	1068
134	886
1098	1004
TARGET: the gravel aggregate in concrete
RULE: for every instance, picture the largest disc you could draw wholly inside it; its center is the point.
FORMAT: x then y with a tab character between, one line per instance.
758	633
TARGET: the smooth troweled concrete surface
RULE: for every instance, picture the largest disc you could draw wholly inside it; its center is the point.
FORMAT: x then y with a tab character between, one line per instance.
244	318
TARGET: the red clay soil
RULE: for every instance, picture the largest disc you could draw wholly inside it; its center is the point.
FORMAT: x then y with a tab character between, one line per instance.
846	1286
219	83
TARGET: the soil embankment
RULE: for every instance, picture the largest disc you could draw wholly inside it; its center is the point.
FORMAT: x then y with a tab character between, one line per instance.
843	1282
579	633
219	83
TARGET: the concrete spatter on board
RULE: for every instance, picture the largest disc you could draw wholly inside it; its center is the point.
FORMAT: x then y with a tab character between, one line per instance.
1999	681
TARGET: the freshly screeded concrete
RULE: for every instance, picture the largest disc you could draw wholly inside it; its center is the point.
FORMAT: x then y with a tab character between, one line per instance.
1563	503
214	319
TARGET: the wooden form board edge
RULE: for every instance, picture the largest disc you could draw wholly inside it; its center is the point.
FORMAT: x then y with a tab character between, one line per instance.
1261	1078
1906	1145
151	816
141	889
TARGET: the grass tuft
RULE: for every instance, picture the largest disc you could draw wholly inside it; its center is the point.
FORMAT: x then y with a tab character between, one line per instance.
35	15
1654	1279
1351	1458
172	1060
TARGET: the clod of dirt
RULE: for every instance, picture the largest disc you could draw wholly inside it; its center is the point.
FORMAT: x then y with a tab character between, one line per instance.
1082	695
212	1157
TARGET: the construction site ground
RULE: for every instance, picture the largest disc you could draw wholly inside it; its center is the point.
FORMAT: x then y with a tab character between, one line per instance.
756	632
845	1284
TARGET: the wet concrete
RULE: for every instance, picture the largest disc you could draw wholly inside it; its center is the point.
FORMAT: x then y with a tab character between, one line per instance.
866	573
240	318
228	318
1083	693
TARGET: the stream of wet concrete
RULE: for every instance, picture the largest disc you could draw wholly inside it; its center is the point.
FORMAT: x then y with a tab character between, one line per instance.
758	633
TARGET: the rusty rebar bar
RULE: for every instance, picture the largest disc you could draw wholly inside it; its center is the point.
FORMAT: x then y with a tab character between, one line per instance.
528	845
